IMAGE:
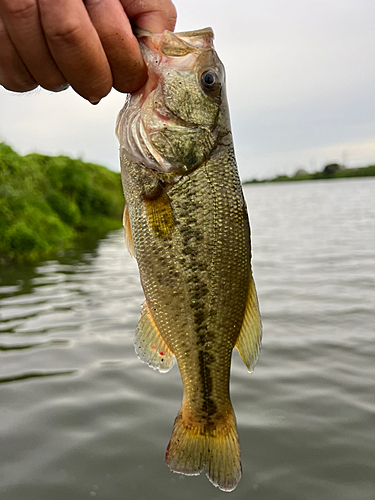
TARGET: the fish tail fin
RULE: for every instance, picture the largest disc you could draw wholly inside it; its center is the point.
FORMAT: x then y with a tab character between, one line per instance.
212	448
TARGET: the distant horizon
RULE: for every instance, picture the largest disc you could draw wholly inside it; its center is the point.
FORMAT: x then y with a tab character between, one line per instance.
316	171
288	170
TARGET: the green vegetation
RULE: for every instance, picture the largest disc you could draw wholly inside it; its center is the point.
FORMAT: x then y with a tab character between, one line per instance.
46	203
326	173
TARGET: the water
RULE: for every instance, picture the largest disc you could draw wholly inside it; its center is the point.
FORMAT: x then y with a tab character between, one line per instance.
81	417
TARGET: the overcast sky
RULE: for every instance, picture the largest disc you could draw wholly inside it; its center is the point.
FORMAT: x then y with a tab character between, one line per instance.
300	80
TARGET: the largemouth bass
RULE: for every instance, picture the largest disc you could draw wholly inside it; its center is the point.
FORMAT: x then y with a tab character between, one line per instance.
186	223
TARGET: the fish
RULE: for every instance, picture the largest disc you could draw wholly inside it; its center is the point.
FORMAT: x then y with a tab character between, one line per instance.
187	225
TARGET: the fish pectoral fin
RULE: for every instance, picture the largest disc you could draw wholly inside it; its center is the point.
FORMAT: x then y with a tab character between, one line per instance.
149	344
159	212
128	232
250	337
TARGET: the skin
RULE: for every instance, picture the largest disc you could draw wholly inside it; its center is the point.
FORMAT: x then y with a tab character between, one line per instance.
88	44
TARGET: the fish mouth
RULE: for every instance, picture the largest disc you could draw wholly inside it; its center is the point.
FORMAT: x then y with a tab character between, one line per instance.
146	113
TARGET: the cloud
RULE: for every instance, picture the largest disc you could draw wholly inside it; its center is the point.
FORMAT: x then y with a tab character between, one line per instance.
62	123
301	86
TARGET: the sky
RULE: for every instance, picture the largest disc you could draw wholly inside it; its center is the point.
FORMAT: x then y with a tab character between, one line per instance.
300	83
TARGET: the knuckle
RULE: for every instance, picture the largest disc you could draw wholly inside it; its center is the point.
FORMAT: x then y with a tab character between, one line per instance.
19	9
65	33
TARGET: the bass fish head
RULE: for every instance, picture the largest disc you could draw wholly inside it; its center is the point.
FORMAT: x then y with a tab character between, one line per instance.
175	121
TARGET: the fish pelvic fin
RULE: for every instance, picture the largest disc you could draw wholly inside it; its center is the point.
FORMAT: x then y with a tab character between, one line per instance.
149	344
213	449
249	340
128	232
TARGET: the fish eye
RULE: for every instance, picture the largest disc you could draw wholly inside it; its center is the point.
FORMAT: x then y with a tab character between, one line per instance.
210	79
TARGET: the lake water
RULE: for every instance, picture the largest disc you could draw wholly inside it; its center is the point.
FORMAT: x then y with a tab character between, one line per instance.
81	417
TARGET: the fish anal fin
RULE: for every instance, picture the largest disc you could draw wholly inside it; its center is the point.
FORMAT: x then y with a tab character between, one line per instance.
250	337
128	232
149	345
213	449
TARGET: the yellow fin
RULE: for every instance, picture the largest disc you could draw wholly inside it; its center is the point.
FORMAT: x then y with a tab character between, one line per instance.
214	450
128	232
250	337
159	212
149	345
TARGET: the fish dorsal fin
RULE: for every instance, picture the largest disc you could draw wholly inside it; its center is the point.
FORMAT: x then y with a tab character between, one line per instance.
128	232
250	337
149	345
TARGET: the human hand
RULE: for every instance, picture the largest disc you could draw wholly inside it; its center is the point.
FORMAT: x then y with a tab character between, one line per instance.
87	44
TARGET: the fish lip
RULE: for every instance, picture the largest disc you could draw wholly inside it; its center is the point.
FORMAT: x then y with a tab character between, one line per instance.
198	39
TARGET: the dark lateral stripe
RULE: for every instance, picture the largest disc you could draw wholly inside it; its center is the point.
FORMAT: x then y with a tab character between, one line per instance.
209	406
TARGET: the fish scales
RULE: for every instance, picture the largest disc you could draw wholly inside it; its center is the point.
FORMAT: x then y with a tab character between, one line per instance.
191	238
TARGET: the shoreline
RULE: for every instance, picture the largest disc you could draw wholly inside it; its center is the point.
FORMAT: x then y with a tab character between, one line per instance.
339	174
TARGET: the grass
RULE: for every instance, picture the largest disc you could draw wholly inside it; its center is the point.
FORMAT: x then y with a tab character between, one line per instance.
47	202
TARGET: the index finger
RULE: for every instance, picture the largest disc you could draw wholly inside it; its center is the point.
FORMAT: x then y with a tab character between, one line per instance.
76	47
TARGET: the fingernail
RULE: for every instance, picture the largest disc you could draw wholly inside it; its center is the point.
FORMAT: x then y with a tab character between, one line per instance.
62	87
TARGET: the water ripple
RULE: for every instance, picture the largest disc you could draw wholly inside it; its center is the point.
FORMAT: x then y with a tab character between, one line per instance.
82	415
31	375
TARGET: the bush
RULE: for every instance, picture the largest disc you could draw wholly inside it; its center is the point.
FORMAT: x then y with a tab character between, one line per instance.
45	202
